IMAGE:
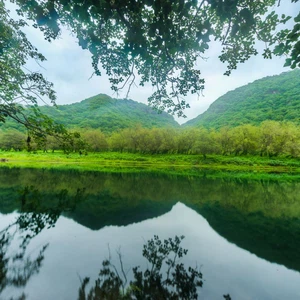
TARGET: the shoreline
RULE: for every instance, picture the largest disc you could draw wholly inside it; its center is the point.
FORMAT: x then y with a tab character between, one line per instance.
250	167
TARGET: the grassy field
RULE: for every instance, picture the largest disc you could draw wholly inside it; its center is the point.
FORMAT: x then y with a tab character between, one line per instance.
256	167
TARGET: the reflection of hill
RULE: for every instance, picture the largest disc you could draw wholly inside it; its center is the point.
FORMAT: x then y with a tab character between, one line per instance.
103	210
274	239
259	216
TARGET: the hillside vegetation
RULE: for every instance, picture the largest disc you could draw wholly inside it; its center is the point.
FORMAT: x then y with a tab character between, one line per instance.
271	98
108	114
271	139
242	122
104	113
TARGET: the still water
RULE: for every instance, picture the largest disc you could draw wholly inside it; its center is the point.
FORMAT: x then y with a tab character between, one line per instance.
243	235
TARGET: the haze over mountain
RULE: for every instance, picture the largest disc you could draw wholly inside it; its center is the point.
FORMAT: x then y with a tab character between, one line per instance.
270	98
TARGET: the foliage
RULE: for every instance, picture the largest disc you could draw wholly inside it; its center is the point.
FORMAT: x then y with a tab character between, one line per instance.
17	268
13	139
104	113
271	139
21	89
160	41
178	283
108	114
271	98
17	84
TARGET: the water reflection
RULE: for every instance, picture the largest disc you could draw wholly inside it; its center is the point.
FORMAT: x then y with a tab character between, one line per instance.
165	278
16	265
260	217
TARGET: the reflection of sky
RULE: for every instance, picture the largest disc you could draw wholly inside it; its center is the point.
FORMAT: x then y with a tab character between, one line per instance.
76	252
69	67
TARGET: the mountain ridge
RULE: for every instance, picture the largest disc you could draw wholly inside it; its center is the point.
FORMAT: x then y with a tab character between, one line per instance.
274	97
109	114
105	113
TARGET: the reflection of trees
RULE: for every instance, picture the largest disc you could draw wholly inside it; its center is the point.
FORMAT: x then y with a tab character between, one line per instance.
242	211
17	269
177	283
16	266
269	197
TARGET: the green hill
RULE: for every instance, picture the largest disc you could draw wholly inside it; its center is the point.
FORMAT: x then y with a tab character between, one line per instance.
270	98
108	114
105	113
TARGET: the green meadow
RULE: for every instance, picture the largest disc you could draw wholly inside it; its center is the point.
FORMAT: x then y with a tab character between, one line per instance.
196	165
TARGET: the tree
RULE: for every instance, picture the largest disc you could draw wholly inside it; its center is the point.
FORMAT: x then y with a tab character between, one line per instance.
118	141
245	139
161	40
292	146
95	140
272	138
18	86
12	139
186	140
205	142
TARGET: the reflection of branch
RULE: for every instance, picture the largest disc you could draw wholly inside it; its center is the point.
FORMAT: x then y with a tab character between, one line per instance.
17	269
172	264
35	216
109	259
122	269
148	284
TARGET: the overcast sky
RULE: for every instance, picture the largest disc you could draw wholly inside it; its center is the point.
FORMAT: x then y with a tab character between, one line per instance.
69	68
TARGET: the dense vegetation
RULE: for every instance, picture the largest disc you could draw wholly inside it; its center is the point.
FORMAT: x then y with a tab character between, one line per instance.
160	42
271	138
271	98
105	113
261	118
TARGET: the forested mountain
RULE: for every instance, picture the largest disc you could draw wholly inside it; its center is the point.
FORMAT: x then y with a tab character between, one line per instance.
270	98
105	113
108	114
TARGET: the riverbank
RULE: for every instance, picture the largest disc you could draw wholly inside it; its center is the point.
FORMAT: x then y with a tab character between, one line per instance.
213	165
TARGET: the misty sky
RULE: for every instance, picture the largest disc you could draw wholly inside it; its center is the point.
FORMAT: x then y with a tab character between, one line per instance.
69	68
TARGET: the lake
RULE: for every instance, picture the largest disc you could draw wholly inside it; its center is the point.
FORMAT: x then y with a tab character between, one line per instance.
60	225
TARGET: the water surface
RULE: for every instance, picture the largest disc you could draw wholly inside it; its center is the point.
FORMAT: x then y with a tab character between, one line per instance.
243	234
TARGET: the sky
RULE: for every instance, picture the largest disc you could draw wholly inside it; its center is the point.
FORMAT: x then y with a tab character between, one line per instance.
69	68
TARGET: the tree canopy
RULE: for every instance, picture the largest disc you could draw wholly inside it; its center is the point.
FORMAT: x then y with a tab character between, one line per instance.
19	86
160	41
144	41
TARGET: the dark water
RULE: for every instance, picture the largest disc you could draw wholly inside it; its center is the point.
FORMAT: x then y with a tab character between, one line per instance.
244	235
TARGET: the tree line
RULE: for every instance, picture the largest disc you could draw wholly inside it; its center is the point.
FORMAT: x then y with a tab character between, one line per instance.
270	138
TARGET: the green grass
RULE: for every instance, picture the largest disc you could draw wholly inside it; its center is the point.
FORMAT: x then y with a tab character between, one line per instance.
196	165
